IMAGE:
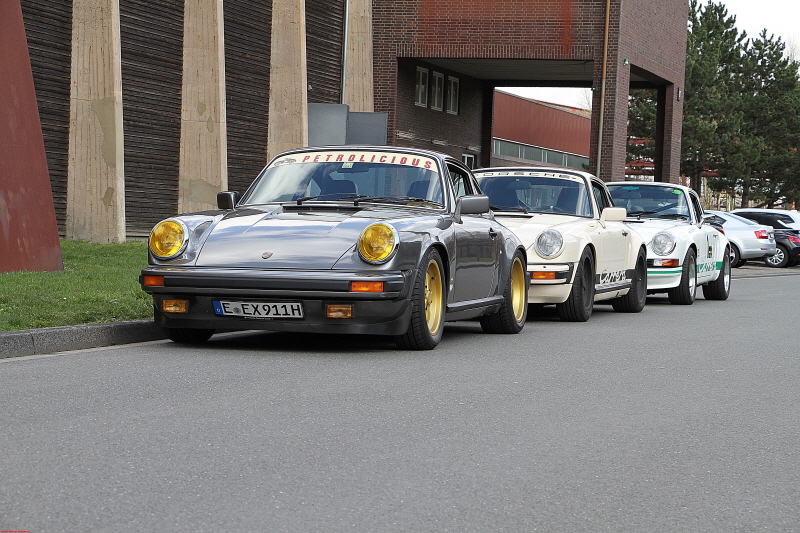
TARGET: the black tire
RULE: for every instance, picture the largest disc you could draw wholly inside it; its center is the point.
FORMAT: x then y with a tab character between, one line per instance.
188	335
634	301
720	288
780	259
511	316
686	292
736	256
580	303
791	263
427	305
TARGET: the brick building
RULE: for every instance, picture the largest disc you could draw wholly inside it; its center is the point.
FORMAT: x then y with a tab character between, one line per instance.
189	82
610	46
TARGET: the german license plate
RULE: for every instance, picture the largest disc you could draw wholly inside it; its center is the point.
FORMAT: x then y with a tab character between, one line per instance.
258	309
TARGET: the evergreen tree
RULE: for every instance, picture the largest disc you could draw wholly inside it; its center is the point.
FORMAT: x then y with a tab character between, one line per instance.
711	109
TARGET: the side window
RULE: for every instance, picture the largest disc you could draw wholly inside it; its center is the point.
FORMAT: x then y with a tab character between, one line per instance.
461	183
697	208
601	197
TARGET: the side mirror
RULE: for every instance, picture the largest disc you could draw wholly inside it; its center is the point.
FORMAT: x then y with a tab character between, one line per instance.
227	199
476	204
613	214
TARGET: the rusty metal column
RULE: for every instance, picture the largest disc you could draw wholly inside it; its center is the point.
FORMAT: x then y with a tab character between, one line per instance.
95	173
28	231
359	89
204	149
288	78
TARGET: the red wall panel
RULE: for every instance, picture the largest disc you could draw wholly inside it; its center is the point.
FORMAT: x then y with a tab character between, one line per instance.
28	232
530	122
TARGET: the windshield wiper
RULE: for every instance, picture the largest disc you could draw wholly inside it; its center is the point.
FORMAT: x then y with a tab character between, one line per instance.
638	214
674	215
509	208
391	199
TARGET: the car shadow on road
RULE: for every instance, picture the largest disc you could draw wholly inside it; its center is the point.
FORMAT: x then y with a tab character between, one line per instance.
286	342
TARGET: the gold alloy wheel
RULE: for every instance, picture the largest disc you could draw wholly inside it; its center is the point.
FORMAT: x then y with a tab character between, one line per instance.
434	303
518	302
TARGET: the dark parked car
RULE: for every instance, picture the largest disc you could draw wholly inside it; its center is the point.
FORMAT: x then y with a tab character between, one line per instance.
787	234
375	240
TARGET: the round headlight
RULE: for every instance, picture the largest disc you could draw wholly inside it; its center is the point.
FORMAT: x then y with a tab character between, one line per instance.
377	243
663	243
549	243
168	239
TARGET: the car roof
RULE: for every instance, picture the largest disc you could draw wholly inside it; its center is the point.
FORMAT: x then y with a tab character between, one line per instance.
764	210
373	148
535	169
650	183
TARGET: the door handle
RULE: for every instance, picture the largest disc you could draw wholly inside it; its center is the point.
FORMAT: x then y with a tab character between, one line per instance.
492	233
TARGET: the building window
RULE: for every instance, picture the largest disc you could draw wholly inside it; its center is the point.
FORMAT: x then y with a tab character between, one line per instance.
452	95
468	160
437	91
421	93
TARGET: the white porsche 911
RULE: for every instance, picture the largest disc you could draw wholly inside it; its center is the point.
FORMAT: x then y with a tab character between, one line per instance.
683	250
579	249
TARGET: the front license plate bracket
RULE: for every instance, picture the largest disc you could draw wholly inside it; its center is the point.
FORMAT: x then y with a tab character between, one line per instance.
258	309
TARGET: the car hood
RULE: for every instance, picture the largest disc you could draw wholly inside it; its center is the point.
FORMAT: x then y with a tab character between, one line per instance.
528	227
647	228
311	239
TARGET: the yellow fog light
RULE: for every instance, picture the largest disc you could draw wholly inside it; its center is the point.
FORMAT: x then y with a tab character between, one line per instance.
339	311
174	306
168	239
377	243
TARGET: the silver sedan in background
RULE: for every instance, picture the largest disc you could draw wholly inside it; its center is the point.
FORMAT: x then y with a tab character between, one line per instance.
749	239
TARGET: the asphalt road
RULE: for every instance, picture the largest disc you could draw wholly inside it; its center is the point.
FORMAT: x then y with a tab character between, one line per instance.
676	419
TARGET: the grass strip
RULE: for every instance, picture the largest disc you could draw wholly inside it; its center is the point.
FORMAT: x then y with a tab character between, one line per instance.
99	283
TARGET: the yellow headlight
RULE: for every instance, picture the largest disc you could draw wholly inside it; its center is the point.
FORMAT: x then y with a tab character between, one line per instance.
377	243
167	239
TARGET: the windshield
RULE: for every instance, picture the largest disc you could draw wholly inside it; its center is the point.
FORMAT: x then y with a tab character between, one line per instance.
651	201
536	194
349	176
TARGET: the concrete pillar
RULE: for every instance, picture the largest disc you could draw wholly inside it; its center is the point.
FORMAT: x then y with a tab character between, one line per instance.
288	79
358	83
203	168
95	172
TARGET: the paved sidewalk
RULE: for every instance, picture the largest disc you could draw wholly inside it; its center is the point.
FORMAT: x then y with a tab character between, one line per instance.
65	338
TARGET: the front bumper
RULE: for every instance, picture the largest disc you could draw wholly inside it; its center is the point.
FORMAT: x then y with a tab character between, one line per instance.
659	278
379	313
550	291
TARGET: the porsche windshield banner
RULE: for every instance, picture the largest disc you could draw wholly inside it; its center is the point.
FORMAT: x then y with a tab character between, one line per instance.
349	158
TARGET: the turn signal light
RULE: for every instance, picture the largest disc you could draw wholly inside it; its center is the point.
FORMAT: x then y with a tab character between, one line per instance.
665	262
543	275
366	286
339	311
175	306
153	281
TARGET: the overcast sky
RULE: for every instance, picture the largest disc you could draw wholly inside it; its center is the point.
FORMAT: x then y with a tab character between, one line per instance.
779	17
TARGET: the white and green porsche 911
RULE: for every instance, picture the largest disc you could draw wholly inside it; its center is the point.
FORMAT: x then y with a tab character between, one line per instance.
683	249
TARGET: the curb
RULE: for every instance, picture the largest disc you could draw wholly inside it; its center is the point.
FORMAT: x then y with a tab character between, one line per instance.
66	338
